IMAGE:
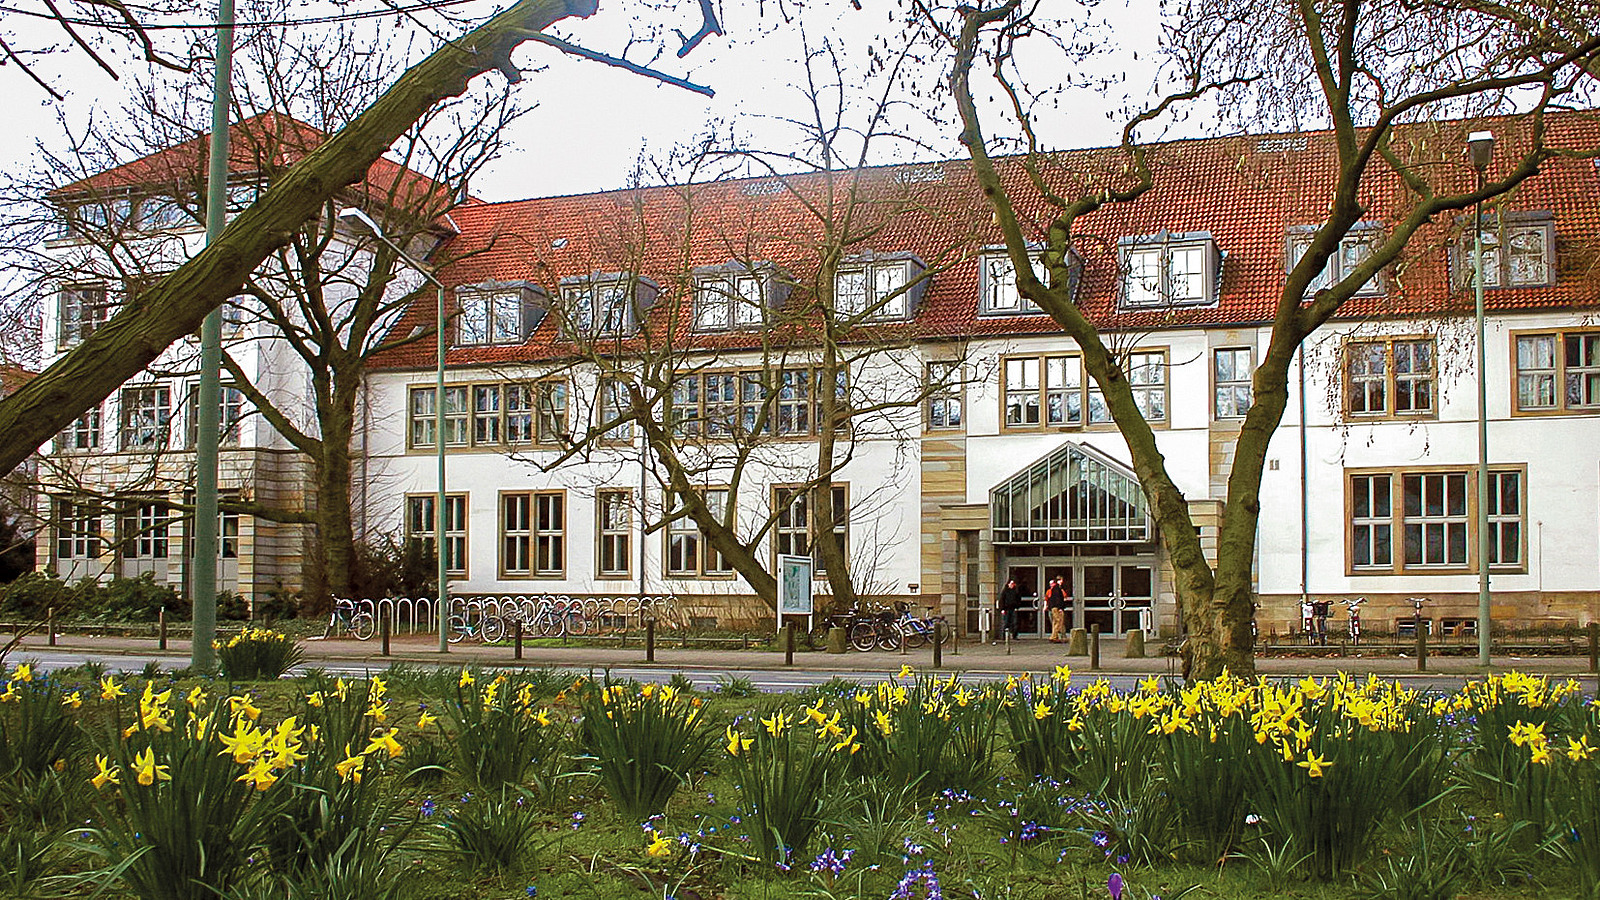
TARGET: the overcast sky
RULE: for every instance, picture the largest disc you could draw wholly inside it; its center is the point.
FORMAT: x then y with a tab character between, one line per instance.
593	122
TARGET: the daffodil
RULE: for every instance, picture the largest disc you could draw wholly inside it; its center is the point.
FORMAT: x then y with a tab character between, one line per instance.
73	700
386	743
144	766
243	706
109	689
906	671
776	724
1042	710
315	700
1314	764
1579	748
108	773
737	742
848	742
10	694
885	725
466	679
195	698
350	768
23	672
426	719
660	845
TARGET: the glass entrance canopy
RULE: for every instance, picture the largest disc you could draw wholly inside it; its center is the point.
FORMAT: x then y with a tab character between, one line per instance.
1074	495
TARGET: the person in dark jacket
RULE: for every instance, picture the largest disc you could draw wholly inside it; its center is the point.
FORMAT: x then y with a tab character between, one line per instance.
1056	600
1010	602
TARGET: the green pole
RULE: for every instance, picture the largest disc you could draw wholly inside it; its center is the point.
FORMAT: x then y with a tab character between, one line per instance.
1480	145
208	399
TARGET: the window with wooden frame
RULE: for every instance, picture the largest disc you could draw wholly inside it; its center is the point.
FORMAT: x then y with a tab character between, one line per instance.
1054	391
1390	378
730	299
1231	372
1558	372
945	391
1170	270
781	402
549	533
143	528
689	553
1424	520
1354	249
613	404
80	311
78	528
490	415
796	528
82	434
516	535
1518	251
146	415
420	524
423	417
614	533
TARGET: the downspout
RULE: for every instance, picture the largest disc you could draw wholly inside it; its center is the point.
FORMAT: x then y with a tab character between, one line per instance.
1305	489
366	453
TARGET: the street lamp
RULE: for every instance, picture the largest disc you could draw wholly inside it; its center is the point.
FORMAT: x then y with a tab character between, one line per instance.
1480	144
353	214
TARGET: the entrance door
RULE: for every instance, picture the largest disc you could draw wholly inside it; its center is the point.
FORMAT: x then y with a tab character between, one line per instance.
1027	579
1116	594
1098	582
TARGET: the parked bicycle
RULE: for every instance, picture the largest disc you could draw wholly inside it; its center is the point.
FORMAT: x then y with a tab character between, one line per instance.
917	631
817	637
558	617
1354	606
476	624
346	618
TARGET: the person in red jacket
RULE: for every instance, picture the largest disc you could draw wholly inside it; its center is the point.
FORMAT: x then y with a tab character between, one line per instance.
1056	600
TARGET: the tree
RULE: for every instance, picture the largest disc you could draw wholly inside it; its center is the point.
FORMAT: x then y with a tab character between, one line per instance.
1374	73
135	337
750	351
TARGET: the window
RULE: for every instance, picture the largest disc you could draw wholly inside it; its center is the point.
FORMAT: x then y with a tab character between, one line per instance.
462	416
77	530
944	396
1055	392
1354	249
1520	252
143	531
615	403
82	310
1232	369
228	534
504	314
784	402
424	417
549	533
230	407
614	522
689	551
1170	270
605	305
146	413
1433	521
516	535
729	301
1558	372
420	522
551	399
878	288
795	527
998	288
533	534
1390	378
486	414
84	433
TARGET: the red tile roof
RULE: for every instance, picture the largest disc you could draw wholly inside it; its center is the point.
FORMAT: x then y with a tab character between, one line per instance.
258	145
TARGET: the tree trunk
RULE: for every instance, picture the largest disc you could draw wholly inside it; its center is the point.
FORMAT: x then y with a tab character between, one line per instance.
175	306
824	549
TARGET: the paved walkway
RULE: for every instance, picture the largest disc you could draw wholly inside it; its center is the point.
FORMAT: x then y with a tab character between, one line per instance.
1027	655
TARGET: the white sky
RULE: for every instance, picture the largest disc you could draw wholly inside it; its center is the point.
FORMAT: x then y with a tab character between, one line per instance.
593	122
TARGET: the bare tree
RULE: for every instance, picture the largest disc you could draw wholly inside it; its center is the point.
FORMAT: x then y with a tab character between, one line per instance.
1370	70
136	336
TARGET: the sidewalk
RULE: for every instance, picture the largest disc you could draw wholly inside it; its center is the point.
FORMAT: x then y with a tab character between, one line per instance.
1027	655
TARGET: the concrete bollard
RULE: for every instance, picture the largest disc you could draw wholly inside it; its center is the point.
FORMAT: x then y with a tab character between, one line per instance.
1422	645
50	625
1134	649
1594	646
1078	642
1094	648
838	639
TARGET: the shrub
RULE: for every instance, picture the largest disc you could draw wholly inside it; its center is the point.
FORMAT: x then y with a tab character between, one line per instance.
231	607
500	737
782	769
278	603
136	600
31	595
257	653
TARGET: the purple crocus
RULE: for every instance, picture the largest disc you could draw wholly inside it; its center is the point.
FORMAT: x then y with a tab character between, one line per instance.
1114	885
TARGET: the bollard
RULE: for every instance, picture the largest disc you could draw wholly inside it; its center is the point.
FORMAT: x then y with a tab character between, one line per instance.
516	639
650	640
838	640
1134	648
50	625
788	644
955	641
1422	645
1078	642
938	644
1594	646
1008	642
1094	648
161	628
383	633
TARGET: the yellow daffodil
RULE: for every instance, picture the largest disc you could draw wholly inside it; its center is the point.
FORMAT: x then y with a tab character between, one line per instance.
144	766
1540	755
1042	710
376	687
660	845
378	711
246	742
350	768
776	724
386	743
1062	674
260	775
109	689
73	700
108	773
1314	764
737	742
23	672
196	698
1578	749
340	689
314	700
848	742
885	725
466	679
905	672
10	694
426	719
243	706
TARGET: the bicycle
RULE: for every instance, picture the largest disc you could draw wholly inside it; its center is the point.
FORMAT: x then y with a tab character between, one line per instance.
1354	606
483	627
817	637
558	618
918	631
345	617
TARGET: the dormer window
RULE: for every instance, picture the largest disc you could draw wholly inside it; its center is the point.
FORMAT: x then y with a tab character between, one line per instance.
1354	249
497	313
606	305
1519	250
1170	270
879	288
734	296
998	287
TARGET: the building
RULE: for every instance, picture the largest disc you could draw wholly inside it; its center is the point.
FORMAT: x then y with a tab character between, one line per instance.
976	449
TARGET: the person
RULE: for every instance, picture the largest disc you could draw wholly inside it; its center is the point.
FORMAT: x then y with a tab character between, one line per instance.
1306	624
1010	601
1055	600
1319	612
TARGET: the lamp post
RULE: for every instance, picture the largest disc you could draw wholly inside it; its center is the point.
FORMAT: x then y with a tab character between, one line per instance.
353	214
1481	145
